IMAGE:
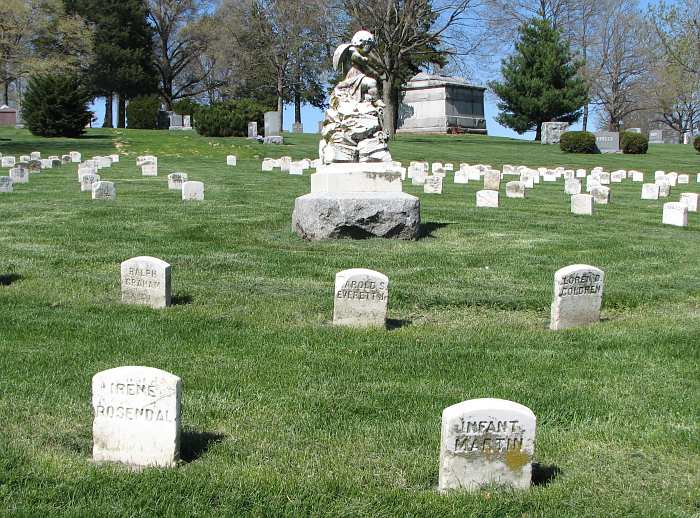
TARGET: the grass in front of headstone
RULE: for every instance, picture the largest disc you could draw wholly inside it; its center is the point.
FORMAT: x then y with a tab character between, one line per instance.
283	413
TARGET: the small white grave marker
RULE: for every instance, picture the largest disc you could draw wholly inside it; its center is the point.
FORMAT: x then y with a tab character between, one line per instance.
650	191
149	170
486	441
231	160
175	181
515	190
578	295
136	417
6	184
690	200
433	185
146	280
361	298
492	180
486	198
675	214
103	190
192	191
582	204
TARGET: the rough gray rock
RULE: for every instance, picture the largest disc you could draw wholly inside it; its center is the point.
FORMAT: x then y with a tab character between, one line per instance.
328	215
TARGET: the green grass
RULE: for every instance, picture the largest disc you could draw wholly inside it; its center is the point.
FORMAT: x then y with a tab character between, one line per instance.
286	415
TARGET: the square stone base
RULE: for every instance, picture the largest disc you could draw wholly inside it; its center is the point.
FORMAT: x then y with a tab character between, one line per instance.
356	215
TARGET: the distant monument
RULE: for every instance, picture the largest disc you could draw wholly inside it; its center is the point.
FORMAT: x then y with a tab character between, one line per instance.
357	191
441	104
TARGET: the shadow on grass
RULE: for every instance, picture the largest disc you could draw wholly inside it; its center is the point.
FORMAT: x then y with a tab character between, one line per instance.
181	299
427	229
195	444
9	278
394	323
543	475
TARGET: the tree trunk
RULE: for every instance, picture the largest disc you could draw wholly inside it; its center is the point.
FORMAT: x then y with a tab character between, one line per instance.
108	112
280	100
297	107
585	116
389	108
6	94
538	133
121	112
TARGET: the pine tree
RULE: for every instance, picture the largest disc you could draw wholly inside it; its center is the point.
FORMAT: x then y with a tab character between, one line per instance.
56	105
540	81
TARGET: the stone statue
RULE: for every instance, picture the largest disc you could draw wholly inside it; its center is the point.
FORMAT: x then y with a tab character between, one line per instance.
352	127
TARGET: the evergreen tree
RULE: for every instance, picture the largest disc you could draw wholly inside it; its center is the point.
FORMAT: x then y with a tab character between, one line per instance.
56	105
540	82
124	59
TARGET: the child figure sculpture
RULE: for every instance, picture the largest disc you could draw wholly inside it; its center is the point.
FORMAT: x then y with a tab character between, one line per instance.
352	127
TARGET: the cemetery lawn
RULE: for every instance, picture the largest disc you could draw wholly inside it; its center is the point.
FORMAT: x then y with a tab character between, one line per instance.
284	414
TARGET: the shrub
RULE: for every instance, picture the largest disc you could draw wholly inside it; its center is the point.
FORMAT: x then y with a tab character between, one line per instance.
696	143
228	119
186	107
633	143
56	105
578	142
142	112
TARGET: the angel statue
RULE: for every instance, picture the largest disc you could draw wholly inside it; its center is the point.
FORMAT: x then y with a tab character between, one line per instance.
353	126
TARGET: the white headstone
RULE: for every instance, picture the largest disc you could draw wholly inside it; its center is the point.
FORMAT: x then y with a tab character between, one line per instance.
664	187
103	190
19	175
637	176
690	200
461	177
269	164
231	160
433	185
146	280
683	179
675	214
650	191
582	204
572	186
578	295
87	180
35	155
361	298
486	441
296	168
6	184
515	190
601	195
7	161
418	177
114	158
136	417
75	157
175	181
492	180
580	173
487	198
149	170
192	191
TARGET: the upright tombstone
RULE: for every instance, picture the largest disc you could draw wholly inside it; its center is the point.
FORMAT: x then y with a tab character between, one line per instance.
601	195
361	298
608	141
137	417
192	191
487	199
676	214
175	181
515	190
268	164
578	295
433	185
664	187
231	160
683	179
87	180
486	441
492	180
572	186
690	200
6	184
146	280
253	130
19	175
75	157
419	177
273	125
582	204
103	190
650	191
149	170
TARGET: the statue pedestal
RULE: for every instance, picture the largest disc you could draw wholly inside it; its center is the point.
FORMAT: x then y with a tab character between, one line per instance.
356	201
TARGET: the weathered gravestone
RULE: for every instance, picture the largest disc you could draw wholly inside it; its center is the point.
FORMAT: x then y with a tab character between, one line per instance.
492	180
675	214
433	185
149	170
419	177
19	175
683	179
35	155
103	190
192	191
146	281
515	190
552	132
690	200
601	195
75	157
608	141
175	181
578	295
269	164
487	198
6	184
582	204
7	161
361	298
572	186
650	191
231	160
486	441
273	126
87	180
664	187
296	168
253	130
136	417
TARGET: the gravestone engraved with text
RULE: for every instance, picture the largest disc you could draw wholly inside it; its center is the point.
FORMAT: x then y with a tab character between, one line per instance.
361	298
578	295
146	280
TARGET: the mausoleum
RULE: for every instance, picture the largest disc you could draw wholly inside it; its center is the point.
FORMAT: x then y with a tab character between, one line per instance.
441	104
